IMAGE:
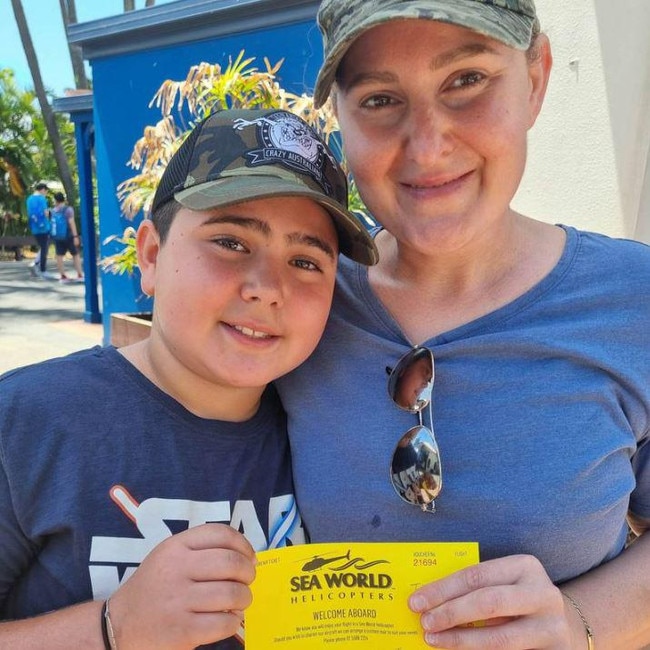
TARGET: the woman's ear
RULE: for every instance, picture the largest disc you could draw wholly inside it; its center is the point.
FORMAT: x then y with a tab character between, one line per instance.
539	67
148	246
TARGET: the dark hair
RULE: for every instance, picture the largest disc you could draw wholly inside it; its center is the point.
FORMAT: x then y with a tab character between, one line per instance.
162	218
41	186
533	51
59	197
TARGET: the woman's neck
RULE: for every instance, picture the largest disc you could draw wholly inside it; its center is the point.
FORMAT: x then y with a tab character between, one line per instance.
431	293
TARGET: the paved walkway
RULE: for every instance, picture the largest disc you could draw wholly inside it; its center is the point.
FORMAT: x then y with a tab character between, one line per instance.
41	318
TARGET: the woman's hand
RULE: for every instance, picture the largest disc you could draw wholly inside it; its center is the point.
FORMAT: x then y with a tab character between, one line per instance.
521	607
190	590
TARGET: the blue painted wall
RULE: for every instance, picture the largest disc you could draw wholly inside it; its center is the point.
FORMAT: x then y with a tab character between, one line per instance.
123	86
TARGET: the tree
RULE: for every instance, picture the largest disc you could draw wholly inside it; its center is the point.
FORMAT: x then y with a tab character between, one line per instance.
17	115
26	154
46	109
69	16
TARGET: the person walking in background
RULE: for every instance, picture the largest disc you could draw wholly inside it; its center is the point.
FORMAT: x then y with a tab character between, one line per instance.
539	335
39	225
64	233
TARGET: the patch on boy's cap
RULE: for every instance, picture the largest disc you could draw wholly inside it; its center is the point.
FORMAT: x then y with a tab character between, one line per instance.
285	139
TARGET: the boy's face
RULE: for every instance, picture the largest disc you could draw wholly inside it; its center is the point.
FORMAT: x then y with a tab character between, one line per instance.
242	293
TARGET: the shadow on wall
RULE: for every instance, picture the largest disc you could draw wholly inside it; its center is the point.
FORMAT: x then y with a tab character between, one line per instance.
643	222
627	76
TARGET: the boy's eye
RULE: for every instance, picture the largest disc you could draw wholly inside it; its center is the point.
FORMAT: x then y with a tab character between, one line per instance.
230	243
306	265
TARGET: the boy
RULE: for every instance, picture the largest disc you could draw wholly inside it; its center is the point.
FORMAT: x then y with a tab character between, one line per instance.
180	429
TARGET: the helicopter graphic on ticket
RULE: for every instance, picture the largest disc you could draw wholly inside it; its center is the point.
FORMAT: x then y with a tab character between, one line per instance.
346	595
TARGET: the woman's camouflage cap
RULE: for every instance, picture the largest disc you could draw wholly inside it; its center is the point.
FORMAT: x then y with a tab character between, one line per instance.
341	22
243	155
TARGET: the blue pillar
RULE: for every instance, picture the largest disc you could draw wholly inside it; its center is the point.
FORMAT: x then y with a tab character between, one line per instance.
80	108
83	134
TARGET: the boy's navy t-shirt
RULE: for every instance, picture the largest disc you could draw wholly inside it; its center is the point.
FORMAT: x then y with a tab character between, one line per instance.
98	466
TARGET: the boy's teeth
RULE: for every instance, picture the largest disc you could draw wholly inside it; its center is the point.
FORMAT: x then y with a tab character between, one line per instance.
249	332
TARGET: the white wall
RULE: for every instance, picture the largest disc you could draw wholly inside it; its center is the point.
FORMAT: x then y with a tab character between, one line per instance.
589	153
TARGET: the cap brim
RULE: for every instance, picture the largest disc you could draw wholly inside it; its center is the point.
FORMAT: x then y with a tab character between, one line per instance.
354	240
506	26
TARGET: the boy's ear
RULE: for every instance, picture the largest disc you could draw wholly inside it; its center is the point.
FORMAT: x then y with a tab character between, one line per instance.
148	247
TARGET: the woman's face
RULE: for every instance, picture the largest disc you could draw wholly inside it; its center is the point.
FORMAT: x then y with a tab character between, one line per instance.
434	119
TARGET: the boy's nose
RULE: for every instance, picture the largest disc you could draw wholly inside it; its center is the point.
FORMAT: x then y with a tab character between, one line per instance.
263	283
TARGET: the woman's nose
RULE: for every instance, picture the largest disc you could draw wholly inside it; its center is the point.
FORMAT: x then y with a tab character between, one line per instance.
427	135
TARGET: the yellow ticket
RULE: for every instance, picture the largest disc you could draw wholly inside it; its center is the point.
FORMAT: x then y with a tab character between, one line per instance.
343	596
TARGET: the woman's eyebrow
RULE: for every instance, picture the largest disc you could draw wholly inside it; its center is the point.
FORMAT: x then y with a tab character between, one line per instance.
440	61
374	76
462	52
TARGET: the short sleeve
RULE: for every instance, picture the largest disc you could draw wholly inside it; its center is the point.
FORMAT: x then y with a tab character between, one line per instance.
640	500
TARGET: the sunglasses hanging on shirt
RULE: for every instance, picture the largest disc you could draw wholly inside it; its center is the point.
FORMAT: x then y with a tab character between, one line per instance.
415	470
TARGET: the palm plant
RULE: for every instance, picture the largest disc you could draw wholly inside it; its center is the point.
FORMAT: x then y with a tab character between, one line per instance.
19	120
207	87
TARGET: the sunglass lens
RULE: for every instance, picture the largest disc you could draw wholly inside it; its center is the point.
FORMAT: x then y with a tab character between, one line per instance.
411	381
415	468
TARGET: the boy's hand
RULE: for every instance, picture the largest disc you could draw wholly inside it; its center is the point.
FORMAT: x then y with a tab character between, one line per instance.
189	591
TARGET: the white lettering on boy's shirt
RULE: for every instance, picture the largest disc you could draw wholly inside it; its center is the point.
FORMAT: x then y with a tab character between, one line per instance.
114	559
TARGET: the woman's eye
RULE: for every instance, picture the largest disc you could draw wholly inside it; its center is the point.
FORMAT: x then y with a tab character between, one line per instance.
377	101
230	244
467	80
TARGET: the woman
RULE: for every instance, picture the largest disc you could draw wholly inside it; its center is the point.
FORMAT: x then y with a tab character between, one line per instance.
539	335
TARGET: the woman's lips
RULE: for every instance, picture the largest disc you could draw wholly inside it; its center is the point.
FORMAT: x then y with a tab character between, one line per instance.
438	187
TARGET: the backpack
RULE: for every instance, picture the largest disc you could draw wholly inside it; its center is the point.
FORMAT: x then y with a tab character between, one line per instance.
39	224
59	219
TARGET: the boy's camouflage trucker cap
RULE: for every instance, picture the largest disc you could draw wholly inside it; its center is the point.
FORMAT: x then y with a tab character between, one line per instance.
241	155
342	21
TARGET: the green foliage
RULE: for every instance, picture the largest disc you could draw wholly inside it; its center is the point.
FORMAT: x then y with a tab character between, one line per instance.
26	154
126	260
17	117
356	204
239	86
